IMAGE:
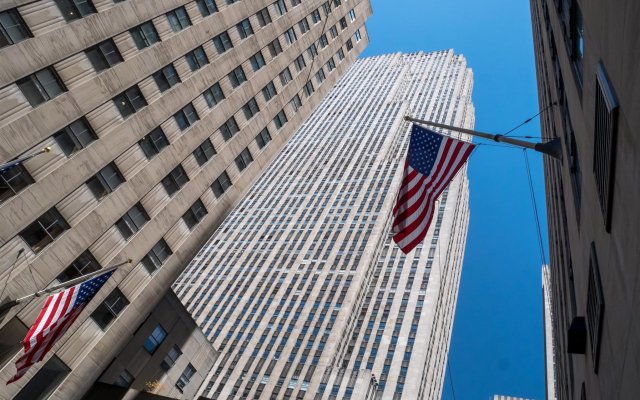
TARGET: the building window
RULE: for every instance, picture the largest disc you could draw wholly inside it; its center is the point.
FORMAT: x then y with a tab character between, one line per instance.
175	180
295	2
595	307
171	358
13	180
264	18
155	339
243	159
222	42
186	117
42	86
257	61
281	8
44	230
312	51
12	28
285	76
75	9
184	379
290	35
213	95
280	119
303	25
250	109
320	76
323	41
269	91
244	28
103	55
144	35
105	181
315	16
331	64
124	380
352	15
194	214
300	63
156	256
340	54
263	138
197	59
82	265
132	221
309	89
166	78
334	32
358	35
229	128
343	23
153	143
204	152
207	7
220	185
109	309
178	19
296	103
274	47
45	381
237	77
577	40
130	101
349	45
606	126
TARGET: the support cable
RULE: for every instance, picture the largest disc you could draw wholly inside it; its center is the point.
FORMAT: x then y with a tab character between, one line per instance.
535	208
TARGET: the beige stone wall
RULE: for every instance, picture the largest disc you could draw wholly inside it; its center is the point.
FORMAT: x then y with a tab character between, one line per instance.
59	180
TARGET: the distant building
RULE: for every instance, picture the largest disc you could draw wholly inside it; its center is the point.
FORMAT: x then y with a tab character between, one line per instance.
159	116
301	289
549	344
588	70
168	355
501	397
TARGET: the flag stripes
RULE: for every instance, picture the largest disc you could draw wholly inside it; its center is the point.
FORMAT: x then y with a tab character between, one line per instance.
432	163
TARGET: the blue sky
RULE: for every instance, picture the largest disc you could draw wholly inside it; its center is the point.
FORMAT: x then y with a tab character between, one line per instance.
497	344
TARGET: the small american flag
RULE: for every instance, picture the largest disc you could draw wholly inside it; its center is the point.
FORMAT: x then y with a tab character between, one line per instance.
57	315
432	162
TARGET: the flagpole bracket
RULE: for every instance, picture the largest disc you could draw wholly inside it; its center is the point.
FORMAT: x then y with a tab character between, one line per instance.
552	148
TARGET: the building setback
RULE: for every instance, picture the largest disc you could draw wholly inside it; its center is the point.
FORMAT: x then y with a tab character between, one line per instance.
587	60
301	288
159	115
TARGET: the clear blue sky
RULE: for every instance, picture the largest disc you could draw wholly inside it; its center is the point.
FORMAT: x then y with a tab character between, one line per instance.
497	343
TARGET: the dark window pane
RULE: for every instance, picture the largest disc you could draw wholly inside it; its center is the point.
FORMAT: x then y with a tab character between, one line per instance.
155	339
207	7
45	381
154	142
13	180
82	265
75	9
12	28
44	230
109	309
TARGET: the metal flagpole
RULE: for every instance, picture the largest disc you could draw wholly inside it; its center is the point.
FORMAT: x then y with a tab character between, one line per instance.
64	285
17	161
551	148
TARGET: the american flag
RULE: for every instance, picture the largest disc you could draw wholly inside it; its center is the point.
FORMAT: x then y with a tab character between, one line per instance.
57	314
432	162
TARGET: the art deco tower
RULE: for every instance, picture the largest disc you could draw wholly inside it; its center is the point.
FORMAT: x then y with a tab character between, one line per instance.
159	115
301	288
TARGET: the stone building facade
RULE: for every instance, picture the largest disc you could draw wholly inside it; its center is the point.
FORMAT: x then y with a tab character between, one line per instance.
159	115
588	61
301	289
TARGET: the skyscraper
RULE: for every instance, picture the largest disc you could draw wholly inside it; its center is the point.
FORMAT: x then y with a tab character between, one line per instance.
159	114
549	344
587	63
301	289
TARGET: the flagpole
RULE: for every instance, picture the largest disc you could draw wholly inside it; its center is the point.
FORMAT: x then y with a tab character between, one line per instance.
63	285
17	161
551	148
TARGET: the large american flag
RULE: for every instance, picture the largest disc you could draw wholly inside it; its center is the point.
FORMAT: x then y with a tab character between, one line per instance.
57	314
432	162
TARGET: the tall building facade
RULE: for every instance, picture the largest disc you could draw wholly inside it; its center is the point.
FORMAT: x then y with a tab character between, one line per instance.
301	289
587	61
158	115
549	344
